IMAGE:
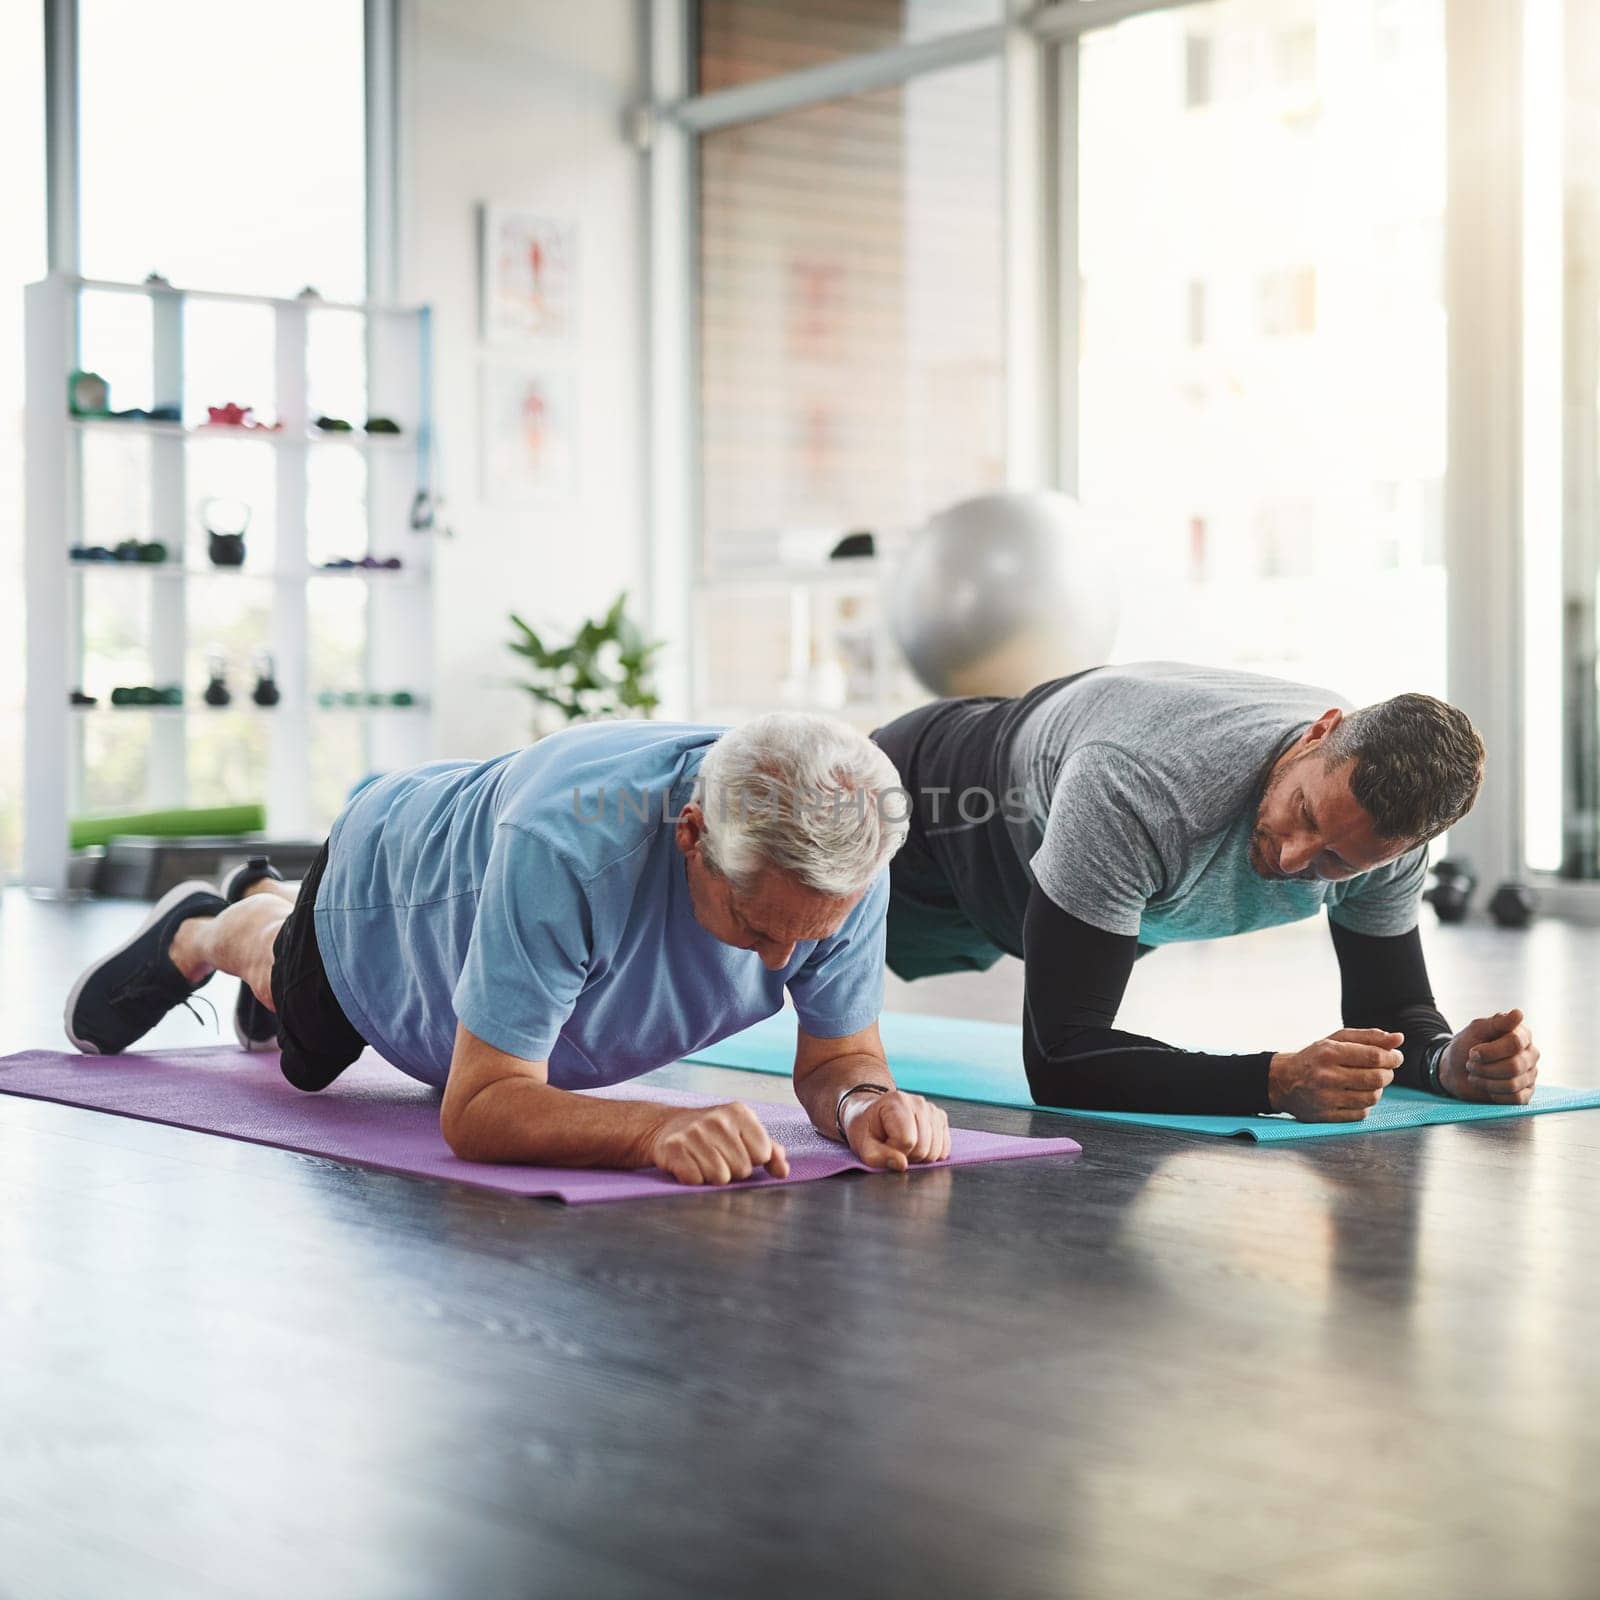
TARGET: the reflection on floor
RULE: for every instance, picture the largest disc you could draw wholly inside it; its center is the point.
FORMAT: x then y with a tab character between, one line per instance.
1170	1368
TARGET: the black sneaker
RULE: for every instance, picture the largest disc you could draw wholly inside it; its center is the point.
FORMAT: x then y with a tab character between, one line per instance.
125	994
254	1026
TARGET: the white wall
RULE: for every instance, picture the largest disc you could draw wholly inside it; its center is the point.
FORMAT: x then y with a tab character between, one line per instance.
525	102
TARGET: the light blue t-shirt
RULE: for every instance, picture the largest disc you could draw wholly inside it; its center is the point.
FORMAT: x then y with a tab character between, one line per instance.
541	899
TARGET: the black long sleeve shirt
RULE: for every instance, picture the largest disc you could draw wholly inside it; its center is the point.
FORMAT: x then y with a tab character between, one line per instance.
1076	1057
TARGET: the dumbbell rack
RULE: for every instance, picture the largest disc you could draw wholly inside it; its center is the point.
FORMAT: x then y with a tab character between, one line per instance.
399	644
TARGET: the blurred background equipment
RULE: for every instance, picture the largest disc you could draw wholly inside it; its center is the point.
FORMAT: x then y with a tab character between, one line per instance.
217	692
226	522
1003	592
236	523
266	691
1450	893
1513	905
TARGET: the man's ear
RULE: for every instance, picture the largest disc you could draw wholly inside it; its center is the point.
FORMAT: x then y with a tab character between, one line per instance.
690	829
1323	726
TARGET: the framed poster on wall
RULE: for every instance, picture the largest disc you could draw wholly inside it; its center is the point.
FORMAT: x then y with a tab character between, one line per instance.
526	430
529	276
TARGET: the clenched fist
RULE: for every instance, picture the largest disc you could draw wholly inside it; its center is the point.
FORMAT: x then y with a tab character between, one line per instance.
896	1129
1493	1059
716	1144
1337	1079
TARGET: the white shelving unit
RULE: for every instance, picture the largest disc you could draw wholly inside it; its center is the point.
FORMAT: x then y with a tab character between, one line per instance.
399	612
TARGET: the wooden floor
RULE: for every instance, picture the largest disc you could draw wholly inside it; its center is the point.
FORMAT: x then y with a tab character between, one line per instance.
1175	1367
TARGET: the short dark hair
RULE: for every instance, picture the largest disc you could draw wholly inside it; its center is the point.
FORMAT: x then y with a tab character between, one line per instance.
1419	765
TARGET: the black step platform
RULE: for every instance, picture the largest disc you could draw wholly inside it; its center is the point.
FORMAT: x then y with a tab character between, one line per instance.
144	866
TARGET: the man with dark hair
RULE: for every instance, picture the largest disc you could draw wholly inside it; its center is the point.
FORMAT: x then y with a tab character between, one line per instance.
1084	823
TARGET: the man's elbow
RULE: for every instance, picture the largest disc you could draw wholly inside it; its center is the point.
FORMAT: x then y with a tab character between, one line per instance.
460	1128
455	1136
1058	1081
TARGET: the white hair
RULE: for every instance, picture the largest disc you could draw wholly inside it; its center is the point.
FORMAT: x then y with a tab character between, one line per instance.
802	795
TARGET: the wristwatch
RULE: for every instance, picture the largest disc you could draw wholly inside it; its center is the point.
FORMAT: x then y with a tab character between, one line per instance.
1433	1065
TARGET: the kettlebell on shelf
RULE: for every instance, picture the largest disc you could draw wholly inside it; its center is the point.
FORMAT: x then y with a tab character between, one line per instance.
225	522
266	691
1451	891
217	692
225	549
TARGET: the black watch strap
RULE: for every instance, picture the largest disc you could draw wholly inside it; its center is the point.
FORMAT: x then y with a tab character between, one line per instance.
1433	1064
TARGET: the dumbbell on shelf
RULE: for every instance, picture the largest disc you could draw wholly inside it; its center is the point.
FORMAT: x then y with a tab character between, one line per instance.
146	695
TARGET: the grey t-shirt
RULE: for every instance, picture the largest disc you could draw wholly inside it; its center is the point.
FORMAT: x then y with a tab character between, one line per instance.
1134	797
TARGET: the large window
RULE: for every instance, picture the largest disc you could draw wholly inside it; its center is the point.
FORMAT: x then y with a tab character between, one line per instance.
225	148
850	358
22	257
1561	513
223	145
1258	225
1262	381
851	317
1230	223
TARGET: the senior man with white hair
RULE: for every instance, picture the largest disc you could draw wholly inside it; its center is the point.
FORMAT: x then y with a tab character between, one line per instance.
566	917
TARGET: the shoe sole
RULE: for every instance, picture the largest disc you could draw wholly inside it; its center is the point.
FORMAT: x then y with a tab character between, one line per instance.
164	907
254	1046
225	889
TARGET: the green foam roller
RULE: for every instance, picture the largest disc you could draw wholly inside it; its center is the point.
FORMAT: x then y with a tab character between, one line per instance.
181	823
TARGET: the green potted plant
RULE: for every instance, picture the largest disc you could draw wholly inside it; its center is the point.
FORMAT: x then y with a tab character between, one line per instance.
603	671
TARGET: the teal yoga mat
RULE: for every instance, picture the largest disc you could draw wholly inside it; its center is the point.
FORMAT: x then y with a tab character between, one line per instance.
966	1060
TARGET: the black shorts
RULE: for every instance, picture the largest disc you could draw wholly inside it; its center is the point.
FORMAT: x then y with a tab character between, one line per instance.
928	930
315	1036
959	886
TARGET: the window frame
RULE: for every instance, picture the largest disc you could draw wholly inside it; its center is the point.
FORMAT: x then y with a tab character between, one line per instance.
1039	50
384	43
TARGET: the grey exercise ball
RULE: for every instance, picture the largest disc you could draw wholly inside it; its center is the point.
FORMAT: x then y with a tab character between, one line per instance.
1003	592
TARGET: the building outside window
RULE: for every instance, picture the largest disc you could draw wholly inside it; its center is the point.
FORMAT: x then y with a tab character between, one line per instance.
851	329
744	41
1322	372
1271	170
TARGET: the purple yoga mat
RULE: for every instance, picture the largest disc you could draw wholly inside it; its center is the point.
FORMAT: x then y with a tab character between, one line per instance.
375	1116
